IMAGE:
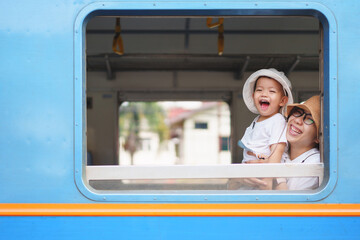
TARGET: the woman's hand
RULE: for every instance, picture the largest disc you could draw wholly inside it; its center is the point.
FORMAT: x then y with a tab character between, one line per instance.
236	183
255	182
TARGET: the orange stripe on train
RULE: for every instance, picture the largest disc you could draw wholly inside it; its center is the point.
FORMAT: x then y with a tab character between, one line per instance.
181	210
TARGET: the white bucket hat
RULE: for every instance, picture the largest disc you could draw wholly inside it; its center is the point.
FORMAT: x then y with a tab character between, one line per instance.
248	88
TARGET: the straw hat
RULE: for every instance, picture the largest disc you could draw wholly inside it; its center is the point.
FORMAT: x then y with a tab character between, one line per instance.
248	88
313	106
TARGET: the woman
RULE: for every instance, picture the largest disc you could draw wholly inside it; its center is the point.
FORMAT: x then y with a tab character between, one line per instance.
302	135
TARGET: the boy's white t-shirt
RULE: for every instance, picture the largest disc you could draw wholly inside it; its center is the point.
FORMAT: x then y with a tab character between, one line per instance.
303	183
259	136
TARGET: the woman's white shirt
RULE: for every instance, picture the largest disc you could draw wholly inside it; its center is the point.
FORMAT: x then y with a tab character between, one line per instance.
303	183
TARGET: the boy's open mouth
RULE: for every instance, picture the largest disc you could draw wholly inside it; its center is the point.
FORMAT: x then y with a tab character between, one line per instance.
264	104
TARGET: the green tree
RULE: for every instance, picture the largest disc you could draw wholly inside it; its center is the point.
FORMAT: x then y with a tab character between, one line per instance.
132	114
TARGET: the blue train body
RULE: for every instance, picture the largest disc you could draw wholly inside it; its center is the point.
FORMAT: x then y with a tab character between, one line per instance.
42	101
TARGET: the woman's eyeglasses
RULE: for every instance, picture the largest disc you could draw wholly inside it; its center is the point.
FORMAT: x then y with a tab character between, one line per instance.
298	112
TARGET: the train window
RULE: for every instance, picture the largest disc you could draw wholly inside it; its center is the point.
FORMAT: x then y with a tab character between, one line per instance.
134	74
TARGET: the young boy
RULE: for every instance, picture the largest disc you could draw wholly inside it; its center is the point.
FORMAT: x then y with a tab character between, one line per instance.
266	92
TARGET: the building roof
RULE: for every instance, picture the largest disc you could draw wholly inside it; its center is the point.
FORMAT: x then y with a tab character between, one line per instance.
179	115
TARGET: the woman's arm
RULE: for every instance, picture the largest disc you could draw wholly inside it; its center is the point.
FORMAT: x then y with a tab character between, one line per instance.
282	186
236	183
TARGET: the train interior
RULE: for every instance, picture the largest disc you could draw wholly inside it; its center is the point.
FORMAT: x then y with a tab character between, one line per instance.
155	85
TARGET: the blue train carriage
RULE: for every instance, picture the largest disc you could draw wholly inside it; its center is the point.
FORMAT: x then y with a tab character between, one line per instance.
76	76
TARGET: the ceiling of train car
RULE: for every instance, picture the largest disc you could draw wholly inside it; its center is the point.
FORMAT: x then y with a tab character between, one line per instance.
286	43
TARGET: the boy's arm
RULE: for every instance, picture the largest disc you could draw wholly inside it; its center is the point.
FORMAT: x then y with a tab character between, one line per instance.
277	151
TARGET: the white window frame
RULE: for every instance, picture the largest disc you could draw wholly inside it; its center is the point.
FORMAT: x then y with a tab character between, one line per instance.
205	171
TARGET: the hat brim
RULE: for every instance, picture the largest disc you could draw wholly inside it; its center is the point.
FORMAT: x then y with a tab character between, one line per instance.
248	88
